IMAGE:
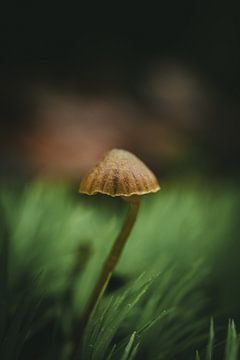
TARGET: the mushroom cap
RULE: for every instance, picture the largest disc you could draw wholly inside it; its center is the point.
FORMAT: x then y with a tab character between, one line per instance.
119	173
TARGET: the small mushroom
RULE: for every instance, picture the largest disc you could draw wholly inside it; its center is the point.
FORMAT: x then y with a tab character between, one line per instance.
120	173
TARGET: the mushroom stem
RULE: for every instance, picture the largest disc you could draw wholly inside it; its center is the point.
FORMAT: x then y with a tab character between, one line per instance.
112	259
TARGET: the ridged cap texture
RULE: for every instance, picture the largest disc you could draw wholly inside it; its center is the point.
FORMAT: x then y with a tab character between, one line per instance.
119	173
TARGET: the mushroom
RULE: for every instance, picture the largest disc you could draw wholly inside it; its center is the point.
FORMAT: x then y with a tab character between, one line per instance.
120	173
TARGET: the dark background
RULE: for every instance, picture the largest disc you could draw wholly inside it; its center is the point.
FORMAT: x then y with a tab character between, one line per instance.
47	51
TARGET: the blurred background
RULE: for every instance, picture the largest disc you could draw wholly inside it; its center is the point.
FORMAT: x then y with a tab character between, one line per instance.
168	92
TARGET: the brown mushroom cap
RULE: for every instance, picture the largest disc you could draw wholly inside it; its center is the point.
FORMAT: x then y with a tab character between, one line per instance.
120	173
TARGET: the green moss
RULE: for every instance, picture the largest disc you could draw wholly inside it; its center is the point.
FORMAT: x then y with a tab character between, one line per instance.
183	244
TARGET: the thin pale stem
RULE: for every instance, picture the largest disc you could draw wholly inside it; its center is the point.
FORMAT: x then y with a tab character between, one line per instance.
111	261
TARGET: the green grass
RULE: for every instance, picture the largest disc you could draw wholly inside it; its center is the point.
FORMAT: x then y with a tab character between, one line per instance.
180	262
